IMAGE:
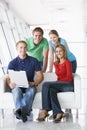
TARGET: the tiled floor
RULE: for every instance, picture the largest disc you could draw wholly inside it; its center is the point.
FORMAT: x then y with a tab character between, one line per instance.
69	123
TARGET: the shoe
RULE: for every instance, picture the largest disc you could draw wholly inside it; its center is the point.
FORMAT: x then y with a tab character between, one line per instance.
63	115
51	117
58	118
43	114
18	113
68	111
28	114
23	114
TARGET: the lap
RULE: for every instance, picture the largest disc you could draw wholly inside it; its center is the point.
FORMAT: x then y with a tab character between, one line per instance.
59	86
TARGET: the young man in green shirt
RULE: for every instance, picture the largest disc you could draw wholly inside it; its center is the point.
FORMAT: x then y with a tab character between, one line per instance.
38	47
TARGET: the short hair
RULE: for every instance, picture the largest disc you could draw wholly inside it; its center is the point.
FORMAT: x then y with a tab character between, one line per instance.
21	41
38	29
54	32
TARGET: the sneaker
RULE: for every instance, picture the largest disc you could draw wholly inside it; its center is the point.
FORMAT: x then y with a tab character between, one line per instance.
18	113
23	114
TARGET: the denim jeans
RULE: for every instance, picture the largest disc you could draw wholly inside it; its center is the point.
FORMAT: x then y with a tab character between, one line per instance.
23	97
74	66
41	64
49	95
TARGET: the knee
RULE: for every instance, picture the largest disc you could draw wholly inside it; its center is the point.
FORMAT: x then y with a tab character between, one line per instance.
32	91
45	85
16	90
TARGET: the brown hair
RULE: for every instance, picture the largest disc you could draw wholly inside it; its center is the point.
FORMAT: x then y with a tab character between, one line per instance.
38	29
64	50
21	41
54	32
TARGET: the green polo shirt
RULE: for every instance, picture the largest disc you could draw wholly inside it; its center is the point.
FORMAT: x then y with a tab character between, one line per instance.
36	50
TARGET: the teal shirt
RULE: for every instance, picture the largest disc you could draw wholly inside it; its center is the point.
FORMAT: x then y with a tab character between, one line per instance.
36	51
70	55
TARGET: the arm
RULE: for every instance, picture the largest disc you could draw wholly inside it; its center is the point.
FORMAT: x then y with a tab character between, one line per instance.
9	83
51	59
38	78
45	60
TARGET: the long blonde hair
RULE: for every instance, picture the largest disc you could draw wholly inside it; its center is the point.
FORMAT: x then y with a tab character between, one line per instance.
65	53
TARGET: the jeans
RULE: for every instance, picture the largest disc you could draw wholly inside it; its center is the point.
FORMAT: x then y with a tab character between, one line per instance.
49	95
74	66
23	97
41	64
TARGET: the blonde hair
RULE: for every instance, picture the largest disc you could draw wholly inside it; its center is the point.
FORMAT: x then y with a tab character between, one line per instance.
64	50
54	32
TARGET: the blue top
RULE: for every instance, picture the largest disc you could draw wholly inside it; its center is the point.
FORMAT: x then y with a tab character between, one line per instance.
70	55
29	64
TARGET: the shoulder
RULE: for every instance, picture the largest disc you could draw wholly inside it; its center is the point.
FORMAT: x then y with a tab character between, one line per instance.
14	60
44	43
12	63
67	62
44	40
29	40
62	41
30	58
51	45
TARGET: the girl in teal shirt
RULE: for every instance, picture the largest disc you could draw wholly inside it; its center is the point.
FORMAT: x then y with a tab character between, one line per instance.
54	41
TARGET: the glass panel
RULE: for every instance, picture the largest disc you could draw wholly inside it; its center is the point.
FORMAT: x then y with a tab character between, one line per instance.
10	40
16	35
4	51
18	27
11	18
25	29
3	17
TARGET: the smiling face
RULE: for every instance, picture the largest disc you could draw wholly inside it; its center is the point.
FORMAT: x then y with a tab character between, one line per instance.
37	35
60	53
54	38
21	49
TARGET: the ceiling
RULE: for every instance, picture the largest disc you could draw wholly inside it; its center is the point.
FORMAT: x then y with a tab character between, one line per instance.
49	11
66	15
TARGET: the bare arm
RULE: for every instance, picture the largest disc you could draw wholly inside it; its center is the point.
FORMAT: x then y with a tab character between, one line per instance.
45	60
51	59
38	79
10	84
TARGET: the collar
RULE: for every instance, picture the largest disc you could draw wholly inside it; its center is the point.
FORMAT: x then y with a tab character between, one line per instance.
19	59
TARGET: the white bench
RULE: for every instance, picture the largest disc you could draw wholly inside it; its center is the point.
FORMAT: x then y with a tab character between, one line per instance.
68	100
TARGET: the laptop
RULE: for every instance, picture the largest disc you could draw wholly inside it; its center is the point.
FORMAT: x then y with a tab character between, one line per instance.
19	78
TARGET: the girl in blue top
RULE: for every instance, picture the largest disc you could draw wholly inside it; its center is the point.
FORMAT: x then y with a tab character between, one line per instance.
54	41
